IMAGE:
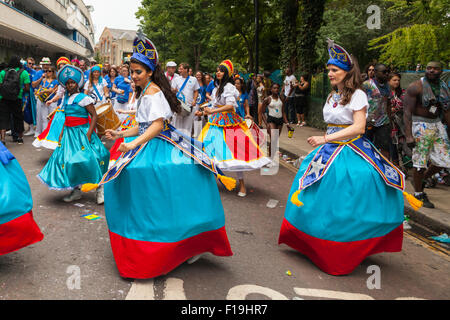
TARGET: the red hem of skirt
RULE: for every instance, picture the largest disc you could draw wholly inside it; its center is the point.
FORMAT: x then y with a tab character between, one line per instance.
339	258
19	233
143	259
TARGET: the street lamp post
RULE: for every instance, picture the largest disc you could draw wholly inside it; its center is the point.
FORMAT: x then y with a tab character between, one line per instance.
256	3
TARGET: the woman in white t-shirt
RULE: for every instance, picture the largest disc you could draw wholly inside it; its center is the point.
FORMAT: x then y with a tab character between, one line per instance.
346	201
97	87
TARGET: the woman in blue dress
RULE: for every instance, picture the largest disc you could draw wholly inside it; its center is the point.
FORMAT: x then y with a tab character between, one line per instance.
17	226
80	157
347	199
162	208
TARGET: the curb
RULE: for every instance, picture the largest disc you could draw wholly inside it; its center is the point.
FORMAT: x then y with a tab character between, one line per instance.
419	217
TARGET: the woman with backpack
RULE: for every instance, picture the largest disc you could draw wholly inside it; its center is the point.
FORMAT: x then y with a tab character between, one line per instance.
14	81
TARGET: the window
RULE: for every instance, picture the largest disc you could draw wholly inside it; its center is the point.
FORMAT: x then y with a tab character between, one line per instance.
62	2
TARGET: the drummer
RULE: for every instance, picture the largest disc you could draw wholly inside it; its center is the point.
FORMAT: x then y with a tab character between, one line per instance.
122	88
97	87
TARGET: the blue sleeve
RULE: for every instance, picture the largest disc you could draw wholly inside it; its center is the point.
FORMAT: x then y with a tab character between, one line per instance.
210	87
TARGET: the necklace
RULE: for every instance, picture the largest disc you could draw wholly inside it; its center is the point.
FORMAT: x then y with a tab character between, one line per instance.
336	98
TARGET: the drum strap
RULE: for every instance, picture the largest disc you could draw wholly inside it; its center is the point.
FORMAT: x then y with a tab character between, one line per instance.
180	94
100	97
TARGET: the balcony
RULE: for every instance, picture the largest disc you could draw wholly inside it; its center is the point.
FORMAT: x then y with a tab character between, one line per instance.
20	26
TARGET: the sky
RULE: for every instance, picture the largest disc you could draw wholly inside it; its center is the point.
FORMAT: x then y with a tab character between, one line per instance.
116	14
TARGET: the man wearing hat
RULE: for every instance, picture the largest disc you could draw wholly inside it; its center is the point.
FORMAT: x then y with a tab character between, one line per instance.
171	66
426	109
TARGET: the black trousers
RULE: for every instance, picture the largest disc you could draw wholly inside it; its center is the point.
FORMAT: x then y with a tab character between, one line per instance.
11	115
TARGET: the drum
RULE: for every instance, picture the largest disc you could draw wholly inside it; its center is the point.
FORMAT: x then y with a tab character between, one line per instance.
107	118
42	96
186	109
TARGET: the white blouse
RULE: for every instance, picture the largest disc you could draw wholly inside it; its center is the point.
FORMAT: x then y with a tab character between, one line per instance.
153	107
100	88
344	114
87	100
229	96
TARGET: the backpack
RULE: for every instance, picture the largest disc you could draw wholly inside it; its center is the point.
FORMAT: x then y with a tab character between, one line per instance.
10	87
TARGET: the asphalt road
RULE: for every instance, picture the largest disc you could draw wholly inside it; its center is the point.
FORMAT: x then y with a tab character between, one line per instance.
74	261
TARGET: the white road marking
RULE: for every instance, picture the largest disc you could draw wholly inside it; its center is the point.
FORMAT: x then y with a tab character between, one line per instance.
241	292
141	290
174	289
329	294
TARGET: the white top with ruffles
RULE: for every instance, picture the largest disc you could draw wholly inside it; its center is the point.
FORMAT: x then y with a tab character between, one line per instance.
344	114
229	96
153	107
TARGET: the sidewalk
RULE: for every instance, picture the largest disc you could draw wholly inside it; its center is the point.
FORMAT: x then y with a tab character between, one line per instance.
437	219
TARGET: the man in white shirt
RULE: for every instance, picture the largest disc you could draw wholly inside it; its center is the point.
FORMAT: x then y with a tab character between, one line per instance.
288	91
186	88
171	66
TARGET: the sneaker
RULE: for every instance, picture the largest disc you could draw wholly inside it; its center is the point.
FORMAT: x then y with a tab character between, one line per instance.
195	258
426	203
76	194
19	141
100	195
29	132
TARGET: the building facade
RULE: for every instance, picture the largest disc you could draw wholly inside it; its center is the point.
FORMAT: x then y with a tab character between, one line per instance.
46	28
115	46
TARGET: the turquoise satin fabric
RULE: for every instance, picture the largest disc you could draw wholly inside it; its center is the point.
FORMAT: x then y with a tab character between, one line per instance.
350	203
15	193
163	196
76	161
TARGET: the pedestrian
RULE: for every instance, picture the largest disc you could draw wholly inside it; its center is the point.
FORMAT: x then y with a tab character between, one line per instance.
171	67
96	87
128	123
122	88
379	119
397	97
186	89
110	78
50	136
80	156
346	200
45	92
226	137
17	226
76	63
199	122
276	117
37	83
14	81
161	211
288	92
29	100
253	97
301	93
260	92
426	102
243	108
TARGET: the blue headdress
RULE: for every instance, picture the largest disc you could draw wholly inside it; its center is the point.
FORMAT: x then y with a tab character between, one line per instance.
69	72
145	51
338	56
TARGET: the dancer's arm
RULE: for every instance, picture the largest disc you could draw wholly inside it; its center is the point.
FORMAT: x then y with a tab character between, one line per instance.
91	109
155	128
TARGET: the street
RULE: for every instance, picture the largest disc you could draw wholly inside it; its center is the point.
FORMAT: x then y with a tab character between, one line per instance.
74	261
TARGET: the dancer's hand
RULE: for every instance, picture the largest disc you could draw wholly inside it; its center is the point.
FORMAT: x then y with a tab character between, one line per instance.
89	136
125	147
316	141
112	134
208	111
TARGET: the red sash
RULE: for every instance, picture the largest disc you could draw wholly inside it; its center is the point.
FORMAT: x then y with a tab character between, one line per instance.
75	121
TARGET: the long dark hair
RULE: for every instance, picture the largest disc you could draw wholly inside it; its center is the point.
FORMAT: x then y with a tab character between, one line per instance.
352	81
161	81
222	83
398	90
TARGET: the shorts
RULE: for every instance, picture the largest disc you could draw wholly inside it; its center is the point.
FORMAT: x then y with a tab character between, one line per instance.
300	104
380	136
277	121
432	144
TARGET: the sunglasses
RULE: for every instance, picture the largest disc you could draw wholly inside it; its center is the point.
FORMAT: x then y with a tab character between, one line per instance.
48	71
371	69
